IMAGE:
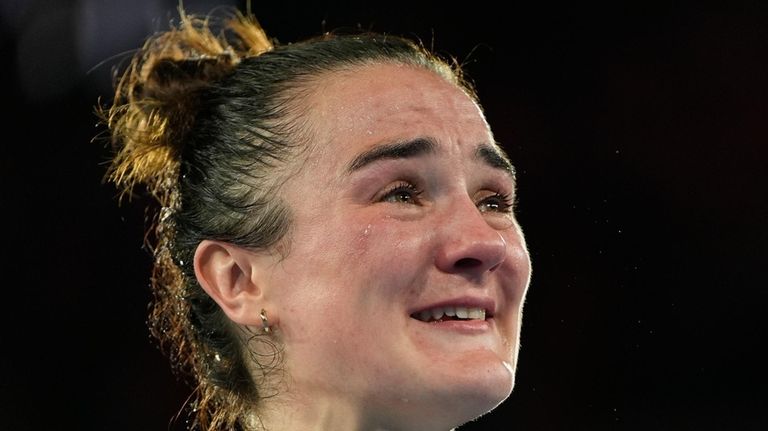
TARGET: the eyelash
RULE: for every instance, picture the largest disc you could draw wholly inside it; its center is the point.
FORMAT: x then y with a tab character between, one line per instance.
401	187
504	201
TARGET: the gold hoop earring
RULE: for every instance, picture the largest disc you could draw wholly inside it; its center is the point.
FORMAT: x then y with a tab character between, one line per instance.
264	322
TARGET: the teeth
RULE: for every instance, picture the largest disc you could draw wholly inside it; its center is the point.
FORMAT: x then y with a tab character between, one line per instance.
437	313
476	313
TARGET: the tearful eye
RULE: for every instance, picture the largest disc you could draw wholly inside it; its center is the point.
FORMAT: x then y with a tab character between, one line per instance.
496	202
402	193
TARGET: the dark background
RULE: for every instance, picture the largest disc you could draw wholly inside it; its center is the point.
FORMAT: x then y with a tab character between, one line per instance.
639	133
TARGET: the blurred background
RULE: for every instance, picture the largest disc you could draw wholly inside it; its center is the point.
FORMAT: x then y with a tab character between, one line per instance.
639	133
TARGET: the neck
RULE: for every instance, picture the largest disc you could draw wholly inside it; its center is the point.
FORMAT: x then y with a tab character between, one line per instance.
292	413
316	413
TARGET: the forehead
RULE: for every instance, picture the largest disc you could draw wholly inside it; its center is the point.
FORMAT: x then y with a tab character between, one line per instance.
353	109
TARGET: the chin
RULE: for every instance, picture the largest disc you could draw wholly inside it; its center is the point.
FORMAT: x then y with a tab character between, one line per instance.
486	391
459	395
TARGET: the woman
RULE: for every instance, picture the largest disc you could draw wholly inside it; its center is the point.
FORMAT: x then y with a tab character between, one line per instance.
335	246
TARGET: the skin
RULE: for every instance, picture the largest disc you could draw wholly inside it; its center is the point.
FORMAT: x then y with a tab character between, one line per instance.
375	241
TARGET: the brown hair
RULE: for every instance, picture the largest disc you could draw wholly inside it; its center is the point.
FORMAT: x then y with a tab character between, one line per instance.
207	122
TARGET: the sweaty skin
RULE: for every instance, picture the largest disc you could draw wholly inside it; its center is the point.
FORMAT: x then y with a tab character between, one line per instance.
400	207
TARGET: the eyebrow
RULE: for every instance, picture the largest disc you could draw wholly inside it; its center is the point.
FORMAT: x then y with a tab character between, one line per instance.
494	157
490	155
396	150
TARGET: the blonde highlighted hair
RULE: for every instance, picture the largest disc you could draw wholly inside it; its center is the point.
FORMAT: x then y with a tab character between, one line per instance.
148	116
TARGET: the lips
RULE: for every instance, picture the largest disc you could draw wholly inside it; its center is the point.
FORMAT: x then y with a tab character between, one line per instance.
440	314
456	310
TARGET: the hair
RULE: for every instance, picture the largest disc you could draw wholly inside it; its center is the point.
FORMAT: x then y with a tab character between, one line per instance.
208	122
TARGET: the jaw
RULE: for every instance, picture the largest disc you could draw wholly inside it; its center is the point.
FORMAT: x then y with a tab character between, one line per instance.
446	400
397	373
465	370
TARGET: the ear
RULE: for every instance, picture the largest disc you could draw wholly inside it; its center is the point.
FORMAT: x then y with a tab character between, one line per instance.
231	276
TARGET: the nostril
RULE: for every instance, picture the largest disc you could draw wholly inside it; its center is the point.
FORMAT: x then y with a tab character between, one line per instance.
467	263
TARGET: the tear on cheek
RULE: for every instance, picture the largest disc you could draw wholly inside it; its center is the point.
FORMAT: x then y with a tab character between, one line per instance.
362	242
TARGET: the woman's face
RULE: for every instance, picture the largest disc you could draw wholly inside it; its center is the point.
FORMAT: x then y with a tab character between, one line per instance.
402	288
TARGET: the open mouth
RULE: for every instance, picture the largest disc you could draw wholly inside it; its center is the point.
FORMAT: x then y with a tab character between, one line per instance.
444	314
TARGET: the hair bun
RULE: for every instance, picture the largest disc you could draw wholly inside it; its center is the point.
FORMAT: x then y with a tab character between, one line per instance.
167	75
155	99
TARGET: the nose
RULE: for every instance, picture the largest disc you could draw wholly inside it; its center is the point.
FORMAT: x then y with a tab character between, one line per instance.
468	244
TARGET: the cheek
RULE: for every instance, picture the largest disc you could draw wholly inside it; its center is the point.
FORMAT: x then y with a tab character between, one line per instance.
361	241
394	252
365	271
385	249
339	266
517	249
